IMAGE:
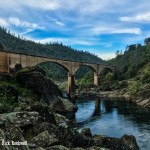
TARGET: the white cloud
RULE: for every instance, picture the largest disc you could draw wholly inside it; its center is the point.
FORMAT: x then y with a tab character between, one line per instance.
3	22
19	23
27	26
41	4
56	21
68	41
141	17
115	30
59	23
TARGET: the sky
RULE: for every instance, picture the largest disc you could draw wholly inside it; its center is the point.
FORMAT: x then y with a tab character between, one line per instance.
99	26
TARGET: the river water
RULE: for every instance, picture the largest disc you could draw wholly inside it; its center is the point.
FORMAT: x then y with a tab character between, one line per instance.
114	118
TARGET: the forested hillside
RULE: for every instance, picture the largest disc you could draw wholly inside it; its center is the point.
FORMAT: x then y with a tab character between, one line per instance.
53	50
9	41
132	61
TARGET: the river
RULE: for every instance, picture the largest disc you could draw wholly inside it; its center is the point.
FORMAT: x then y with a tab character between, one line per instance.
114	118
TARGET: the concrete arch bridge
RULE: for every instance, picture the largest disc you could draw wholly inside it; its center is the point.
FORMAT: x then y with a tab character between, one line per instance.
8	60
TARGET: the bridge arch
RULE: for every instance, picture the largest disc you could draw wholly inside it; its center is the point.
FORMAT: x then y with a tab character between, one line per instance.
59	64
84	65
106	73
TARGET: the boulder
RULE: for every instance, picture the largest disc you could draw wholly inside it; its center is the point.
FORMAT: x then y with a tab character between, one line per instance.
126	142
143	98
64	106
34	80
57	147
44	112
61	120
19	118
86	132
97	148
44	139
72	138
14	135
130	141
2	137
77	148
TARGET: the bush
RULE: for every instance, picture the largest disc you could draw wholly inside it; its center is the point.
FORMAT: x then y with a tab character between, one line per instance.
134	87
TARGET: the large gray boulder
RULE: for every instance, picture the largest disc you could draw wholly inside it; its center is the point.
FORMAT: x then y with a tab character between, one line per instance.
44	139
126	142
34	80
19	118
57	147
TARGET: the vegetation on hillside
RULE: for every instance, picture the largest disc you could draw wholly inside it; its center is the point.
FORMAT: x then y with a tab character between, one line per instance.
134	58
10	42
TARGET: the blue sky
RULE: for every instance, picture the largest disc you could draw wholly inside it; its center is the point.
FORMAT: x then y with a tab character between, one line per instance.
99	26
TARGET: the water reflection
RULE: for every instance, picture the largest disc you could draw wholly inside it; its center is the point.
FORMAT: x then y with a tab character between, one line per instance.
114	118
97	110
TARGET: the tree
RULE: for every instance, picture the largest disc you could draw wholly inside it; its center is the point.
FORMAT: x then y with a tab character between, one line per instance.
2	47
147	41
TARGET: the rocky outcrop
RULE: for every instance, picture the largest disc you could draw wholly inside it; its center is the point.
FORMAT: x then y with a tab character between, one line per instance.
34	80
86	132
19	118
126	142
44	139
63	106
143	98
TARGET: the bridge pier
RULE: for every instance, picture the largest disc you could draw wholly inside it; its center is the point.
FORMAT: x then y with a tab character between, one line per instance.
71	84
96	78
4	62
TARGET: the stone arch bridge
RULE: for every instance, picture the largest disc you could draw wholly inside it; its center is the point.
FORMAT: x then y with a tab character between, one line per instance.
8	60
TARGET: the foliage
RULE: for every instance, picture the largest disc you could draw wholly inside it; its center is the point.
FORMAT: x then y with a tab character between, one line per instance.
133	59
9	92
52	50
8	96
147	41
145	74
85	80
134	87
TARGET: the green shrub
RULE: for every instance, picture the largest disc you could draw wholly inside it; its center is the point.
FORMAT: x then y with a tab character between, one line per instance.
134	87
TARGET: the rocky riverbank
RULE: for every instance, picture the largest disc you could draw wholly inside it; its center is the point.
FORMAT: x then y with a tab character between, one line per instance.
142	98
30	118
127	90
